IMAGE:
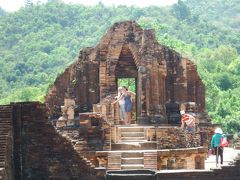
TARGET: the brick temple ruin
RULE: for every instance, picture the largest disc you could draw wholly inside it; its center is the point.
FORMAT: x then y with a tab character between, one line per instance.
76	133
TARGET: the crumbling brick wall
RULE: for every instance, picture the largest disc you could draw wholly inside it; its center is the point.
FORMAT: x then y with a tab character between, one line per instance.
162	75
6	143
40	152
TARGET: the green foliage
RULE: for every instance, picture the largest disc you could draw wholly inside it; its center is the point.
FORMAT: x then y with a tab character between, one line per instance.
127	82
181	11
40	41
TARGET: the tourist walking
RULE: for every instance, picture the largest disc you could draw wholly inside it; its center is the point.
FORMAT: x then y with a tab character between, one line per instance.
216	144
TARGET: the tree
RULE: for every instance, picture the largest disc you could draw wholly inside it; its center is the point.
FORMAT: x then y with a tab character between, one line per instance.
28	3
181	10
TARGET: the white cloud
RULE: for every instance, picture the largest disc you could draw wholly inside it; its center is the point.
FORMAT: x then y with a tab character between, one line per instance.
13	5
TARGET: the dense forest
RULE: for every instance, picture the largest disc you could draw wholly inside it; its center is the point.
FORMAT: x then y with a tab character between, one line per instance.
40	40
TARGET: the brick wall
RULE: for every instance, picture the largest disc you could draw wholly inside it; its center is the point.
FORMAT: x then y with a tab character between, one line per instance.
40	152
6	144
162	75
185	158
170	137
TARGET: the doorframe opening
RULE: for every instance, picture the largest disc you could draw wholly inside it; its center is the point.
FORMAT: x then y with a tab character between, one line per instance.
131	84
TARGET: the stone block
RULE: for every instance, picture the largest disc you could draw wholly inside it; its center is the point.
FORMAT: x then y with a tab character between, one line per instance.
61	123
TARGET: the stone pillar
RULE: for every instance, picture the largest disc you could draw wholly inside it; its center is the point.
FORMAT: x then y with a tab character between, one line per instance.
142	99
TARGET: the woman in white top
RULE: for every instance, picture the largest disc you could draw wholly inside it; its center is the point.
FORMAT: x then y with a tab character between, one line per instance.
125	103
121	102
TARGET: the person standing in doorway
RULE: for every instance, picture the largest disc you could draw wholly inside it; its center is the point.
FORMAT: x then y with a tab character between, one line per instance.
121	103
128	103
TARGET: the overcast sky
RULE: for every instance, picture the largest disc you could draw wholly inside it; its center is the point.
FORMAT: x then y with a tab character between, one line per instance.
13	5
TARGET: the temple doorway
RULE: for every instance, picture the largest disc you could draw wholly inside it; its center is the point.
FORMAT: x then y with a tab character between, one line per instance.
126	74
130	83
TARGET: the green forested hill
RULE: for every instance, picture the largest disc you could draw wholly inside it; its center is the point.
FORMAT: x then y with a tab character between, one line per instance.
223	14
39	41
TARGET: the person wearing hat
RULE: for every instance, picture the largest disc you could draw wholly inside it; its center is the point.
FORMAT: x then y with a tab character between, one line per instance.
189	120
215	143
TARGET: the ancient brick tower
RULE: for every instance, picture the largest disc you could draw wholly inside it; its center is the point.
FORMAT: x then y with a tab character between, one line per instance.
164	79
88	141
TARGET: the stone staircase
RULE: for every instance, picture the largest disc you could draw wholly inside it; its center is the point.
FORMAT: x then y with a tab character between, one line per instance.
114	160
133	150
133	138
131	134
132	160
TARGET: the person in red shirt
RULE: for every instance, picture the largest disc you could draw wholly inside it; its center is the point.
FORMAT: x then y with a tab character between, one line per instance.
189	120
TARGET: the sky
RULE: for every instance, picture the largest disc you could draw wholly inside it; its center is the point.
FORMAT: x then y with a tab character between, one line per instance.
14	5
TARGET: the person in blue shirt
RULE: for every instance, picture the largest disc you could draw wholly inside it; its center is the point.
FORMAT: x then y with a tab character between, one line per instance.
128	103
215	143
125	103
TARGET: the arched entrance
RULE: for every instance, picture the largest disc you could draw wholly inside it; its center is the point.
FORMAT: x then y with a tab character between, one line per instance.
126	73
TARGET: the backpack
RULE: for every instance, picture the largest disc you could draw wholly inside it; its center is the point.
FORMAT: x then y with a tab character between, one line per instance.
224	142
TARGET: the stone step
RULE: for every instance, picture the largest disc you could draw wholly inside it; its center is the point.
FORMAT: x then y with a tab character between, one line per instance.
5	108
5	117
130	166
4	129
114	160
5	114
5	124
4	132
132	134
134	146
132	141
131	129
135	160
131	138
114	167
2	164
150	160
134	154
4	136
